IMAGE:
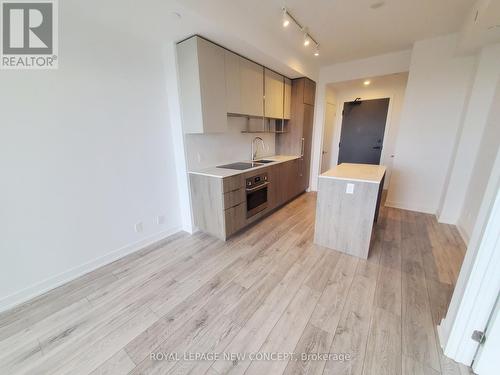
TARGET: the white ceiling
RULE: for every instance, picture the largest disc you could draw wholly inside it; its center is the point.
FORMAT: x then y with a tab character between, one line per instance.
481	26
351	29
346	29
376	83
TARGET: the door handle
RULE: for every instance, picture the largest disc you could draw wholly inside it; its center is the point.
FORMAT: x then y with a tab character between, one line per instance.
302	148
324	152
258	187
377	148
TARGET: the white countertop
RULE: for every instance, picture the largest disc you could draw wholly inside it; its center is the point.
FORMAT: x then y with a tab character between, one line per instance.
223	172
356	172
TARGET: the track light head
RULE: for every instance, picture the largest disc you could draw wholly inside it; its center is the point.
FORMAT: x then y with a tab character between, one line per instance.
307	40
286	18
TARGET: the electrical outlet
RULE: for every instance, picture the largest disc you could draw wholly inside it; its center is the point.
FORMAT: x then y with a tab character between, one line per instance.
349	189
160	219
138	227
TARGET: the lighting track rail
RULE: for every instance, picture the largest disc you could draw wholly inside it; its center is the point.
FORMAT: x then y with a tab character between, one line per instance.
287	17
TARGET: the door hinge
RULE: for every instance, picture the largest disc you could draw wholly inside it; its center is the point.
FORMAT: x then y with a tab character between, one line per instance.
479	337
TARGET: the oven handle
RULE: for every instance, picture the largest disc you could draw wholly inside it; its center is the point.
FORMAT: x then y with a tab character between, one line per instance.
261	186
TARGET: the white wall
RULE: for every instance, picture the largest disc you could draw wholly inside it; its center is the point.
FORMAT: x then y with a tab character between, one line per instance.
328	128
209	150
482	167
393	87
468	146
435	96
175	117
86	152
365	68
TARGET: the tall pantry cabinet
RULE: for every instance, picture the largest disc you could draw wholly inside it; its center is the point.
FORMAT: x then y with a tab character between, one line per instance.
298	137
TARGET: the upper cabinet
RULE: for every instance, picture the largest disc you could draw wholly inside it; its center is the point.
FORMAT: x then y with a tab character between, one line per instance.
244	86
274	93
215	82
202	86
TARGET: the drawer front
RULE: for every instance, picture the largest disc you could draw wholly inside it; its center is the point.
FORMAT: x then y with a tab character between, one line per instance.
234	198
235	218
232	183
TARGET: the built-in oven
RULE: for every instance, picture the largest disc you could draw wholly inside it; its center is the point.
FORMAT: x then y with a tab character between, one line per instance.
256	189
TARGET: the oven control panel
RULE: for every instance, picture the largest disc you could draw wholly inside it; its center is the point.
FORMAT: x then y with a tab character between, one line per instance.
256	180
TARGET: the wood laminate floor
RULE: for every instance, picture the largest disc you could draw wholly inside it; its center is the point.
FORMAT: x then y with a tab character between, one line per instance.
266	290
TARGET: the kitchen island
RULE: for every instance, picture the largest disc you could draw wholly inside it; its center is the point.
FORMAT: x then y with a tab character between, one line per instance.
347	206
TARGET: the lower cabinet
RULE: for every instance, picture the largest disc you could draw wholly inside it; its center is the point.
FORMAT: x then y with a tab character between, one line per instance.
235	218
219	204
289	181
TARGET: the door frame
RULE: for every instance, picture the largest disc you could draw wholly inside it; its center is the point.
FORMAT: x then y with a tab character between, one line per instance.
333	125
341	118
478	283
384	157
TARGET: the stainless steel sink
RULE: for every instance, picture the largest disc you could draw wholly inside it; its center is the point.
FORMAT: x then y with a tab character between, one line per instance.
265	161
241	165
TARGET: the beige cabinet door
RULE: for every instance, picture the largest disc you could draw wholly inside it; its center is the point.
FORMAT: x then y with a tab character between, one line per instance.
233	84
251	88
244	86
287	99
202	86
213	86
274	88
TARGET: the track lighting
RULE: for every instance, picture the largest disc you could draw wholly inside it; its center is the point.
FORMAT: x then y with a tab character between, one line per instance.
287	18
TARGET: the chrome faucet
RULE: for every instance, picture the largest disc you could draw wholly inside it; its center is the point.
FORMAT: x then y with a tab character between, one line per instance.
254	151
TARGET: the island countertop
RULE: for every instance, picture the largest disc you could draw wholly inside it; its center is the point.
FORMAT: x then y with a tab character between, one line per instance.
356	172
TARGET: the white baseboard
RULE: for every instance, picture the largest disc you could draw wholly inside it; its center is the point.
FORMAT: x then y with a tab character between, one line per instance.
463	234
44	286
403	206
441	335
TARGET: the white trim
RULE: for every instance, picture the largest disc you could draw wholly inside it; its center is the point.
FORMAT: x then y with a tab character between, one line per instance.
403	206
463	234
46	285
479	280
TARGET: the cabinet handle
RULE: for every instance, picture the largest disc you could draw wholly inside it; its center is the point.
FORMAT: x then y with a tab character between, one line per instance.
258	187
302	148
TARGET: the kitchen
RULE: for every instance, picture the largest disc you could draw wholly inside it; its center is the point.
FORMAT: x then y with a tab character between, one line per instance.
227	197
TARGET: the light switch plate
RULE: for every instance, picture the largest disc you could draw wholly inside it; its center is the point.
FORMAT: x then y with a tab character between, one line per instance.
349	189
